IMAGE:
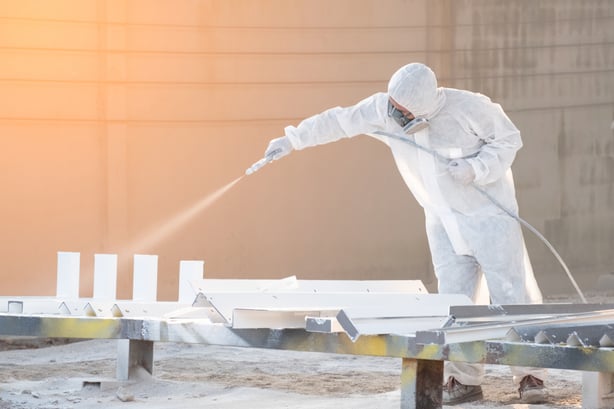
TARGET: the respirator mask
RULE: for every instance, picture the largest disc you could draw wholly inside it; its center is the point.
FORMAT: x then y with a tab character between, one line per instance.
409	126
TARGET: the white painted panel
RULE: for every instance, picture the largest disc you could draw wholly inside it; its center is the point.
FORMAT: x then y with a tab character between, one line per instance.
397	326
134	309
426	304
253	318
393	286
310	286
243	285
68	275
145	285
105	276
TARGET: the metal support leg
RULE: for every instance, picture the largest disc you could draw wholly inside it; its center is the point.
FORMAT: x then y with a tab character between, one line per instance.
131	355
421	384
597	390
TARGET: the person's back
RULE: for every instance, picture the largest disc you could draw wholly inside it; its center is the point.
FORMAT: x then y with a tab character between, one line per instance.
461	129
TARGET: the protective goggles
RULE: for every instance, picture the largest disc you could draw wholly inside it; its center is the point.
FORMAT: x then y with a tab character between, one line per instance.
409	125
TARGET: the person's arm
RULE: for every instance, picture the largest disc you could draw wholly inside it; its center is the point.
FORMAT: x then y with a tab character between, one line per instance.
337	123
501	142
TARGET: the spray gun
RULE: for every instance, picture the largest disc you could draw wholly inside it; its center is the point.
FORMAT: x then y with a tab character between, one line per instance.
264	161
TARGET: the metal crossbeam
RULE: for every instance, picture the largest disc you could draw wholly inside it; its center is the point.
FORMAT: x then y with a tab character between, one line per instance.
497	311
497	352
30	305
501	329
96	308
578	334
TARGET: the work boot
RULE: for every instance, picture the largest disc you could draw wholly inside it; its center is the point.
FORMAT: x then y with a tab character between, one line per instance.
532	390
455	392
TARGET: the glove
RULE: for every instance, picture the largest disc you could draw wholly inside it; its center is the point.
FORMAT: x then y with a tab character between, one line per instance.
278	148
461	171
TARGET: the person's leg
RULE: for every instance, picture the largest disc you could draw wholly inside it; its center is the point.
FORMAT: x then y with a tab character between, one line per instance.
467	374
504	260
501	253
455	275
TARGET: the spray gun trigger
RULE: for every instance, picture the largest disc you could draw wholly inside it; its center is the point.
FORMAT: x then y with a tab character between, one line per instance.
272	154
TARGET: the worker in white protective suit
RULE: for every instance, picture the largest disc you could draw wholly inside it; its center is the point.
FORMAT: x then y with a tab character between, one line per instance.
469	236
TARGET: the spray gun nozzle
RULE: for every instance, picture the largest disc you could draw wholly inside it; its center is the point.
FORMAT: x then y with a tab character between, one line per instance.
267	159
256	166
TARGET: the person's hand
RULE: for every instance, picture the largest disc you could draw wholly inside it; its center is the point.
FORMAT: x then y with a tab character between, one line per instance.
278	148
461	171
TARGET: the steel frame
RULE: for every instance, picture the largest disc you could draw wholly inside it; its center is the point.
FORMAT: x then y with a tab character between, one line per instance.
422	364
343	314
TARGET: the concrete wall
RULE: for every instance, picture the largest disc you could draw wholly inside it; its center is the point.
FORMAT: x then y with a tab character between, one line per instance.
120	117
551	64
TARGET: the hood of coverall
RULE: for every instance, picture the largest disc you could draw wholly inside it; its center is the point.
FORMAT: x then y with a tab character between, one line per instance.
414	86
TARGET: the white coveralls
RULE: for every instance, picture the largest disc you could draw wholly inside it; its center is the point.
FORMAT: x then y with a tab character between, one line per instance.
469	237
